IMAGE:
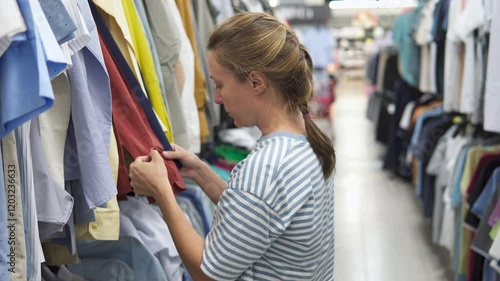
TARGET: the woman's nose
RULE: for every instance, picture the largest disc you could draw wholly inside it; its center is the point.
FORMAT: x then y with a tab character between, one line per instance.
218	99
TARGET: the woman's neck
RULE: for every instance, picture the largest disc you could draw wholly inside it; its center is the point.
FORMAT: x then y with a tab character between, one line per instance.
279	122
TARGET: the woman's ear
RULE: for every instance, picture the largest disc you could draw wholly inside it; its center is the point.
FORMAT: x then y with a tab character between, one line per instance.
259	81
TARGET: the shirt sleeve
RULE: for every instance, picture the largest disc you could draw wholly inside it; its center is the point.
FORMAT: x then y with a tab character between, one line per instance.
244	228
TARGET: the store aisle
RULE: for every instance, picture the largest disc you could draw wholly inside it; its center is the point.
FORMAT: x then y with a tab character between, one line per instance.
379	228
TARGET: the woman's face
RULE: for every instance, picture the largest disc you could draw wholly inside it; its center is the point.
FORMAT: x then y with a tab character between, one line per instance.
236	96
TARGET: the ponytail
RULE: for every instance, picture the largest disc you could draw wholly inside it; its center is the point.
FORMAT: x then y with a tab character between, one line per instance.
320	143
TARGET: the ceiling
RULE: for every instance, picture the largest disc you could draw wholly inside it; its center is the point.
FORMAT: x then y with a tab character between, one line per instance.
386	11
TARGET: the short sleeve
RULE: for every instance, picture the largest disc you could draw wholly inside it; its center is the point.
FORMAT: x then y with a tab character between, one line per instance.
244	228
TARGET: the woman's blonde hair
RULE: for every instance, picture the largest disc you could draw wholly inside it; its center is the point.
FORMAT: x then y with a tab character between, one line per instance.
258	42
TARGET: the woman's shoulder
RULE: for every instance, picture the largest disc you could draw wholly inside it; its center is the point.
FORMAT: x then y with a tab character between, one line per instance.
268	163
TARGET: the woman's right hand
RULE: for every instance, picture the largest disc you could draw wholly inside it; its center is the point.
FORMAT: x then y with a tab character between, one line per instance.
190	162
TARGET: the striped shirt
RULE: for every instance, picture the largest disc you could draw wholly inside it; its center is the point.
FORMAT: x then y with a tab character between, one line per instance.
274	221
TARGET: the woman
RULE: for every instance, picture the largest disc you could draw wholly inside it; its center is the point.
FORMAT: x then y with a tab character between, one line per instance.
274	217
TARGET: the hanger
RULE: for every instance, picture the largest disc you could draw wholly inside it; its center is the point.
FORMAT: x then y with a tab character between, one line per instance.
462	123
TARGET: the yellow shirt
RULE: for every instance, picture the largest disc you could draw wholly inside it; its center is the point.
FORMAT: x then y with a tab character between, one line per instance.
473	157
147	65
200	87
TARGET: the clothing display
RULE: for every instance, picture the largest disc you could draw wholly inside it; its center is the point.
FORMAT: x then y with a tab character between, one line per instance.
441	132
85	88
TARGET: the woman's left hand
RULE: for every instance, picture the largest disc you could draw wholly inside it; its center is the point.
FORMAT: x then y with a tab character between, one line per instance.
148	175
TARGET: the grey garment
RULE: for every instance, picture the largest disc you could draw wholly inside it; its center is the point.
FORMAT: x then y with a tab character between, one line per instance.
224	7
66	237
102	270
79	215
34	254
65	275
59	20
54	204
48	275
482	241
128	250
192	214
86	157
204	25
140	220
80	212
437	167
481	67
437	212
437	163
168	44
141	11
172	273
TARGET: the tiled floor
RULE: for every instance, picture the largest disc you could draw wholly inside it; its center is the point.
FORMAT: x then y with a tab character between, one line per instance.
379	230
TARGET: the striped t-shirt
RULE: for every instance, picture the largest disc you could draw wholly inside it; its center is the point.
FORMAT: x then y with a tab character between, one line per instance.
274	221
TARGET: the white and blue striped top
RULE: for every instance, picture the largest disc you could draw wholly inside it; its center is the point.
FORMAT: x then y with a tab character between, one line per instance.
274	221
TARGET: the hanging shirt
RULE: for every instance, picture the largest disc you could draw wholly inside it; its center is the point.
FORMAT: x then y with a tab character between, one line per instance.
224	9
460	91
200	88
423	38
128	250
167	39
140	220
113	14
34	253
52	126
35	57
86	157
146	65
320	43
54	204
12	23
187	61
133	131
141	12
59	19
106	224
409	52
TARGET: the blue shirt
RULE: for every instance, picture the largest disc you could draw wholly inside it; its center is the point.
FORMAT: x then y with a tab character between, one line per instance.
86	158
409	51
479	207
320	44
25	89
129	251
196	195
59	19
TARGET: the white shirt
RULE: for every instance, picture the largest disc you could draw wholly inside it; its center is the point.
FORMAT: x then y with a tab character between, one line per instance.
423	37
186	57
460	91
12	23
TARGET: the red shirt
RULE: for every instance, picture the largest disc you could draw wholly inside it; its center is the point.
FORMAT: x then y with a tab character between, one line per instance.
133	132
